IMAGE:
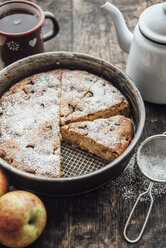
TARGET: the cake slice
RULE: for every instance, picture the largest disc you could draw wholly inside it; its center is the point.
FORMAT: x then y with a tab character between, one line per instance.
107	138
102	100
75	84
30	125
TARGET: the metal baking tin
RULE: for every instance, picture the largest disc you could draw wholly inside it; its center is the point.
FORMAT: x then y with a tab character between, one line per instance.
73	185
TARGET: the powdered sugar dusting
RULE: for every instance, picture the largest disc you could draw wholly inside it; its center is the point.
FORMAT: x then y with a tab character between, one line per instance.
30	132
30	121
152	158
74	86
131	183
114	133
102	95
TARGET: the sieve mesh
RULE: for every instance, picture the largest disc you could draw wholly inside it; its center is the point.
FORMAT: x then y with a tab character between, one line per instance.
76	162
151	158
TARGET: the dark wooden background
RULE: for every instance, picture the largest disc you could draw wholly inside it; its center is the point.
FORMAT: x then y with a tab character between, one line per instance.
97	219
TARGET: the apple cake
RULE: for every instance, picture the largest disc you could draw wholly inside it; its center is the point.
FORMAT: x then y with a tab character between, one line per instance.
87	110
107	138
75	84
29	124
102	100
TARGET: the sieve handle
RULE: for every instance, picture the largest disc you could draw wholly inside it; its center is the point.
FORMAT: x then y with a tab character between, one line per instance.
148	191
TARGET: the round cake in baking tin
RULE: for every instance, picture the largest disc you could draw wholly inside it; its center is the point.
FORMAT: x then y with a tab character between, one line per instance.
74	103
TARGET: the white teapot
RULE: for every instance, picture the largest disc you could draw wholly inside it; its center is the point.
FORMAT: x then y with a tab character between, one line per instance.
146	63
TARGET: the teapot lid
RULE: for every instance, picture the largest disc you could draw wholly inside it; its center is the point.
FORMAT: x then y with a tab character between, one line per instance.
152	23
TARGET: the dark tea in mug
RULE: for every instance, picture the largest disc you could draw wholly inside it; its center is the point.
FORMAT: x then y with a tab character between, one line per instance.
18	21
21	30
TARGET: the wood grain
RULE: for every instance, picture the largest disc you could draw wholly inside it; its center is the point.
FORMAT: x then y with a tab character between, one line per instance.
97	219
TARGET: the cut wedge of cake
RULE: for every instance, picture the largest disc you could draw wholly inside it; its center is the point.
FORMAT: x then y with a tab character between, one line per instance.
75	84
107	138
29	124
102	100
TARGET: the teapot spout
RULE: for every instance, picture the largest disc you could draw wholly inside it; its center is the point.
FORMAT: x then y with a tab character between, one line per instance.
123	34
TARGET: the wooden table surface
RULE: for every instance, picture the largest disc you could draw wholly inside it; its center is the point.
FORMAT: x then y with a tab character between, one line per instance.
97	219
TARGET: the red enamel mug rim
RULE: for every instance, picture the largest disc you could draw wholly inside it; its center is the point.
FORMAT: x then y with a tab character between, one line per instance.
42	18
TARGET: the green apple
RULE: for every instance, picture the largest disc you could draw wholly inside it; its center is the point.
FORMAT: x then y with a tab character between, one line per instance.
22	218
4	185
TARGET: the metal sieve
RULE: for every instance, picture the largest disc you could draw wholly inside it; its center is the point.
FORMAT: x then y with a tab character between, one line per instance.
151	159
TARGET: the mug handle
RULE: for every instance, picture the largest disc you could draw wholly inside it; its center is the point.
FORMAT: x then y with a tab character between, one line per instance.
55	30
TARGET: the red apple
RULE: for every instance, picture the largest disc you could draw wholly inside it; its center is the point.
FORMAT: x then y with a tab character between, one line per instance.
22	218
4	185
